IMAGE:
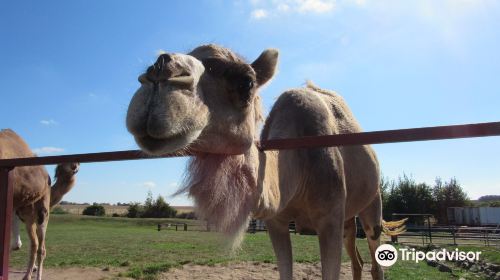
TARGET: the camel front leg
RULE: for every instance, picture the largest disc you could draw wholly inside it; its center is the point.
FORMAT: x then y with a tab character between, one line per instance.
352	250
31	230
41	232
280	238
41	229
15	239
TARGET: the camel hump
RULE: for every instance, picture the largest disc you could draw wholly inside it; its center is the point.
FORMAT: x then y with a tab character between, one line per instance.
8	133
339	108
312	110
298	112
12	145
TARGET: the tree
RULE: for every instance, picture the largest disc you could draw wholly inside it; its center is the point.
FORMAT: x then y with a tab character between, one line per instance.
406	196
385	187
158	208
94	210
135	210
448	194
488	198
187	215
494	203
149	200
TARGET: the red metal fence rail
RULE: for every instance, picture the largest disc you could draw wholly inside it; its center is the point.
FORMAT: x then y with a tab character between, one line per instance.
364	138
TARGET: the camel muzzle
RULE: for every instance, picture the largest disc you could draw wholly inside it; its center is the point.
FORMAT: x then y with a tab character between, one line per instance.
165	70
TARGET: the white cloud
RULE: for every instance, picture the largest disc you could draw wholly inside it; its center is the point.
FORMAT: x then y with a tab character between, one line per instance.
259	14
265	9
48	122
315	6
47	150
360	3
282	7
450	23
148	184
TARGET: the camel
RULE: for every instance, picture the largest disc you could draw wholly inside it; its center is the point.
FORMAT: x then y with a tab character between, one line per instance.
33	197
206	102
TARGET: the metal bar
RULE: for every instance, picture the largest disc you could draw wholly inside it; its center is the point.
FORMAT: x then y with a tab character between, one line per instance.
453	231
387	136
429	228
6	197
82	158
362	138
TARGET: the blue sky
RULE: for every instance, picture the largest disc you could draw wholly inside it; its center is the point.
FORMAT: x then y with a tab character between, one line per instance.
69	68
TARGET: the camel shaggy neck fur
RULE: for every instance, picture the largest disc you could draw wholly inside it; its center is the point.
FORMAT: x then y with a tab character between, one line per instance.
322	189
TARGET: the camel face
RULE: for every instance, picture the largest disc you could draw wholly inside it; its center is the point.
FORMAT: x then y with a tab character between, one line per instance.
167	113
206	101
69	168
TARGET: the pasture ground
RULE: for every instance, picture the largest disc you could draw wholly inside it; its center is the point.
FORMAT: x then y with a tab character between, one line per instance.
133	248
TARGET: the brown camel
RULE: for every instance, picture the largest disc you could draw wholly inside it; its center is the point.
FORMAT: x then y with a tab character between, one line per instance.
207	102
33	197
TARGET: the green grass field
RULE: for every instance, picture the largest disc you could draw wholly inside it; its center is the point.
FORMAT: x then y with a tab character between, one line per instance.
136	244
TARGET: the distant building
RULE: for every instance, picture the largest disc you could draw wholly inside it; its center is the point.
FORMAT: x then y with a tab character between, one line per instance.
474	216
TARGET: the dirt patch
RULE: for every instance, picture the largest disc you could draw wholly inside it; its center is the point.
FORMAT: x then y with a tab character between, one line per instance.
241	271
70	273
254	271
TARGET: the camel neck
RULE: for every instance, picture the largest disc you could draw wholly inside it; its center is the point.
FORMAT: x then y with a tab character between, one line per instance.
61	187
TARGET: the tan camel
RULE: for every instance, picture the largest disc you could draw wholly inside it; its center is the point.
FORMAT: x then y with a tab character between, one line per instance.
207	102
33	197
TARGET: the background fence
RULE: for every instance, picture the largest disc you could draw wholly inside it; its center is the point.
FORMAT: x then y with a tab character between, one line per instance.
451	235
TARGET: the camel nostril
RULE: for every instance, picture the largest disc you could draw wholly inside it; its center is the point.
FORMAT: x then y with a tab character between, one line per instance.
159	70
162	59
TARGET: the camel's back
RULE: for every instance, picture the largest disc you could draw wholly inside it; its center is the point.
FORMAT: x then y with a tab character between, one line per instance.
12	145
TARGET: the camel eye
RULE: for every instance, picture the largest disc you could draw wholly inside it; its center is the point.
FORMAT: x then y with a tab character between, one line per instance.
246	84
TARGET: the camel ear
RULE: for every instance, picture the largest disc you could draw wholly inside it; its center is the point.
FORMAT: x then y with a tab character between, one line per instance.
265	65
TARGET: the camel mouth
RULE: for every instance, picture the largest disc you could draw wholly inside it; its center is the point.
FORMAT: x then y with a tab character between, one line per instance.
159	146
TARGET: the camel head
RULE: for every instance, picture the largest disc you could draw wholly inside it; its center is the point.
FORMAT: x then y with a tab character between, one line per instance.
206	101
65	180
67	169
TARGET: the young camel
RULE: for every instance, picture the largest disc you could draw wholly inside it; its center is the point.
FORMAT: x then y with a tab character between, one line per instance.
33	197
207	102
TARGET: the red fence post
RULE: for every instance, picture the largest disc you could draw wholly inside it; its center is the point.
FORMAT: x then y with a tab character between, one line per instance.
6	196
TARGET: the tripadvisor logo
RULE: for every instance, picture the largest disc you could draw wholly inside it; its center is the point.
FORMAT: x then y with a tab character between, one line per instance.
387	255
